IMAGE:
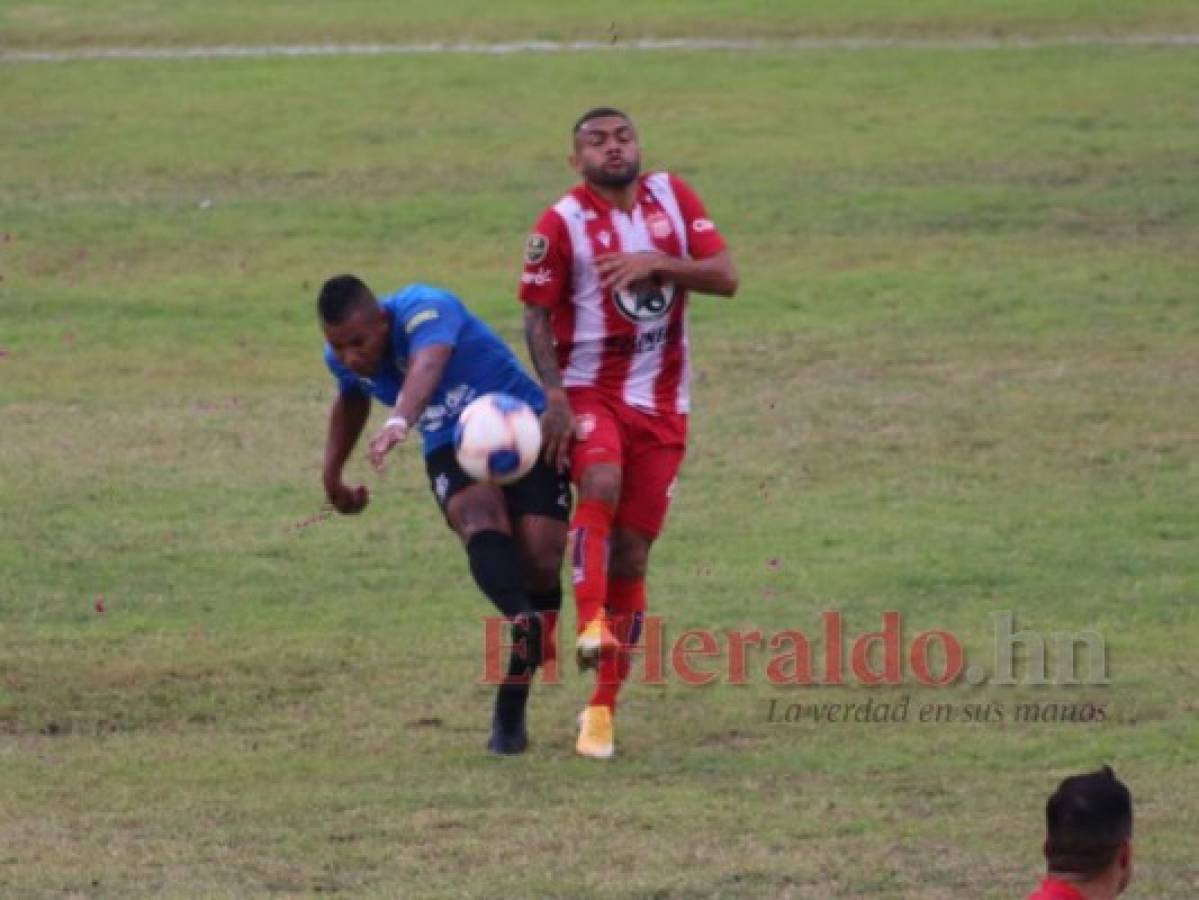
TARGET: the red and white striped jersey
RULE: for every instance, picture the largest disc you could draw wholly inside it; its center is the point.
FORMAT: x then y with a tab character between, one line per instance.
630	344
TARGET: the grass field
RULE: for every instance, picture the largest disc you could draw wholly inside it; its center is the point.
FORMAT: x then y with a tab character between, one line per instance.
961	377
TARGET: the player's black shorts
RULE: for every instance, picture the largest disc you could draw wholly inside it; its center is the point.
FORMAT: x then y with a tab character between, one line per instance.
542	492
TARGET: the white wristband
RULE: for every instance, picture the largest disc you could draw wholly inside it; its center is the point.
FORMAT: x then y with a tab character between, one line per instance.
396	422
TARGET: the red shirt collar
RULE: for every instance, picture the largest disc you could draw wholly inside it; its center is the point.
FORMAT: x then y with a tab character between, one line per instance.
1053	889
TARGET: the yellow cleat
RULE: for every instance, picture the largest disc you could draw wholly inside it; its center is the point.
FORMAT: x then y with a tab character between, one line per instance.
595	733
595	640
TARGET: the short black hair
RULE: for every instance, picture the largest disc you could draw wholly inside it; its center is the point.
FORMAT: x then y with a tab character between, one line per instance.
598	112
1087	819
340	296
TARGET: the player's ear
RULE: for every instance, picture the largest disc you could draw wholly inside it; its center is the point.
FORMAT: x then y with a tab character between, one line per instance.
575	163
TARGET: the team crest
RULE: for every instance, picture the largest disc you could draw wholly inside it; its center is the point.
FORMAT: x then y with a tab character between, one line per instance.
645	301
536	248
659	225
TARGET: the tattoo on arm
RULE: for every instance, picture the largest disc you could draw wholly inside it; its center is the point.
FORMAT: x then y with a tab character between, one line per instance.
539	337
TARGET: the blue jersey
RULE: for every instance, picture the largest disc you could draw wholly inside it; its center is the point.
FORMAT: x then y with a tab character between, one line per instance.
423	316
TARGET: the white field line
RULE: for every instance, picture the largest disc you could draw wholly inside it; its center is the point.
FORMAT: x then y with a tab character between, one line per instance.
643	45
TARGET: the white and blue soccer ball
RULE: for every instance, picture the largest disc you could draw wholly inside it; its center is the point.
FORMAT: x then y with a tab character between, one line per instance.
497	438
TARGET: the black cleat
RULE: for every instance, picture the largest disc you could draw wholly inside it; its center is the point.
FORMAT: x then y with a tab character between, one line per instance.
508	738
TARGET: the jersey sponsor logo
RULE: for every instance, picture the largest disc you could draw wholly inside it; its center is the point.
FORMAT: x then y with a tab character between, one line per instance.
541	277
438	415
699	226
657	338
536	248
658	224
605	238
645	302
425	315
646	341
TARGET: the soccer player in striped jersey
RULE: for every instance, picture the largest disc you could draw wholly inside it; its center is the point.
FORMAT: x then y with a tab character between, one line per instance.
607	272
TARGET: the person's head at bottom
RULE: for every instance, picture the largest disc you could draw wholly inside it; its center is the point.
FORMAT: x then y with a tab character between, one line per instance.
1088	839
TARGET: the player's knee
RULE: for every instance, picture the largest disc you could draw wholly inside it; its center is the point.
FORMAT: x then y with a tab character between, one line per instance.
629	568
601	483
630	555
545	565
472	525
476	514
542	545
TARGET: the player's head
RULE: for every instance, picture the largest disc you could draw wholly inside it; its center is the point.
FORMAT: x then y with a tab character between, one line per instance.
354	323
606	152
1089	829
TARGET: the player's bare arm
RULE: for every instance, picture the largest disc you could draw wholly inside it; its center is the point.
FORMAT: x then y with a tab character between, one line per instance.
557	422
424	374
347	418
714	275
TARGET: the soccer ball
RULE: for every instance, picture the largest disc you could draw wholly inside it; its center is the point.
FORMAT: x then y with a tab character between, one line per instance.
497	438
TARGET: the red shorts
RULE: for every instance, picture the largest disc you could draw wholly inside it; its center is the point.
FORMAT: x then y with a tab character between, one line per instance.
648	447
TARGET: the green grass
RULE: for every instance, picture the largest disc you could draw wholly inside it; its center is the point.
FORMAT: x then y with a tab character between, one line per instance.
960	377
87	22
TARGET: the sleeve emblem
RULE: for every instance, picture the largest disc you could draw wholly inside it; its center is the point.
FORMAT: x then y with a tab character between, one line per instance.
425	315
536	248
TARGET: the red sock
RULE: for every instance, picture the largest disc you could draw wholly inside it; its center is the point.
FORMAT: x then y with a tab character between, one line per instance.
549	637
626	606
589	557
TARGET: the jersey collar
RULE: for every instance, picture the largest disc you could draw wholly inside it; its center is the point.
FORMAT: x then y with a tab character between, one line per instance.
600	204
1054	889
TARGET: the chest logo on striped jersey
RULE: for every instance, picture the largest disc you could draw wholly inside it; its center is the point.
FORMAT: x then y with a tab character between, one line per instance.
659	225
645	301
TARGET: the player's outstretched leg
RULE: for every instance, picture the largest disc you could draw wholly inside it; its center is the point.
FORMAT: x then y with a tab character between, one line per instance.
477	513
590	531
626	610
495	564
626	604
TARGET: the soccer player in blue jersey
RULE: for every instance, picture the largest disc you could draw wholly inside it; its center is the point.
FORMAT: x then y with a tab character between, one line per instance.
422	353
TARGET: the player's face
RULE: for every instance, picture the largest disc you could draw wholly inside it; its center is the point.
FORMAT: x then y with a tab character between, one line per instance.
607	153
359	341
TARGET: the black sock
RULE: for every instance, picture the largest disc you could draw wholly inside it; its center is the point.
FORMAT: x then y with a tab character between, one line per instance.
513	693
496	567
495	564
